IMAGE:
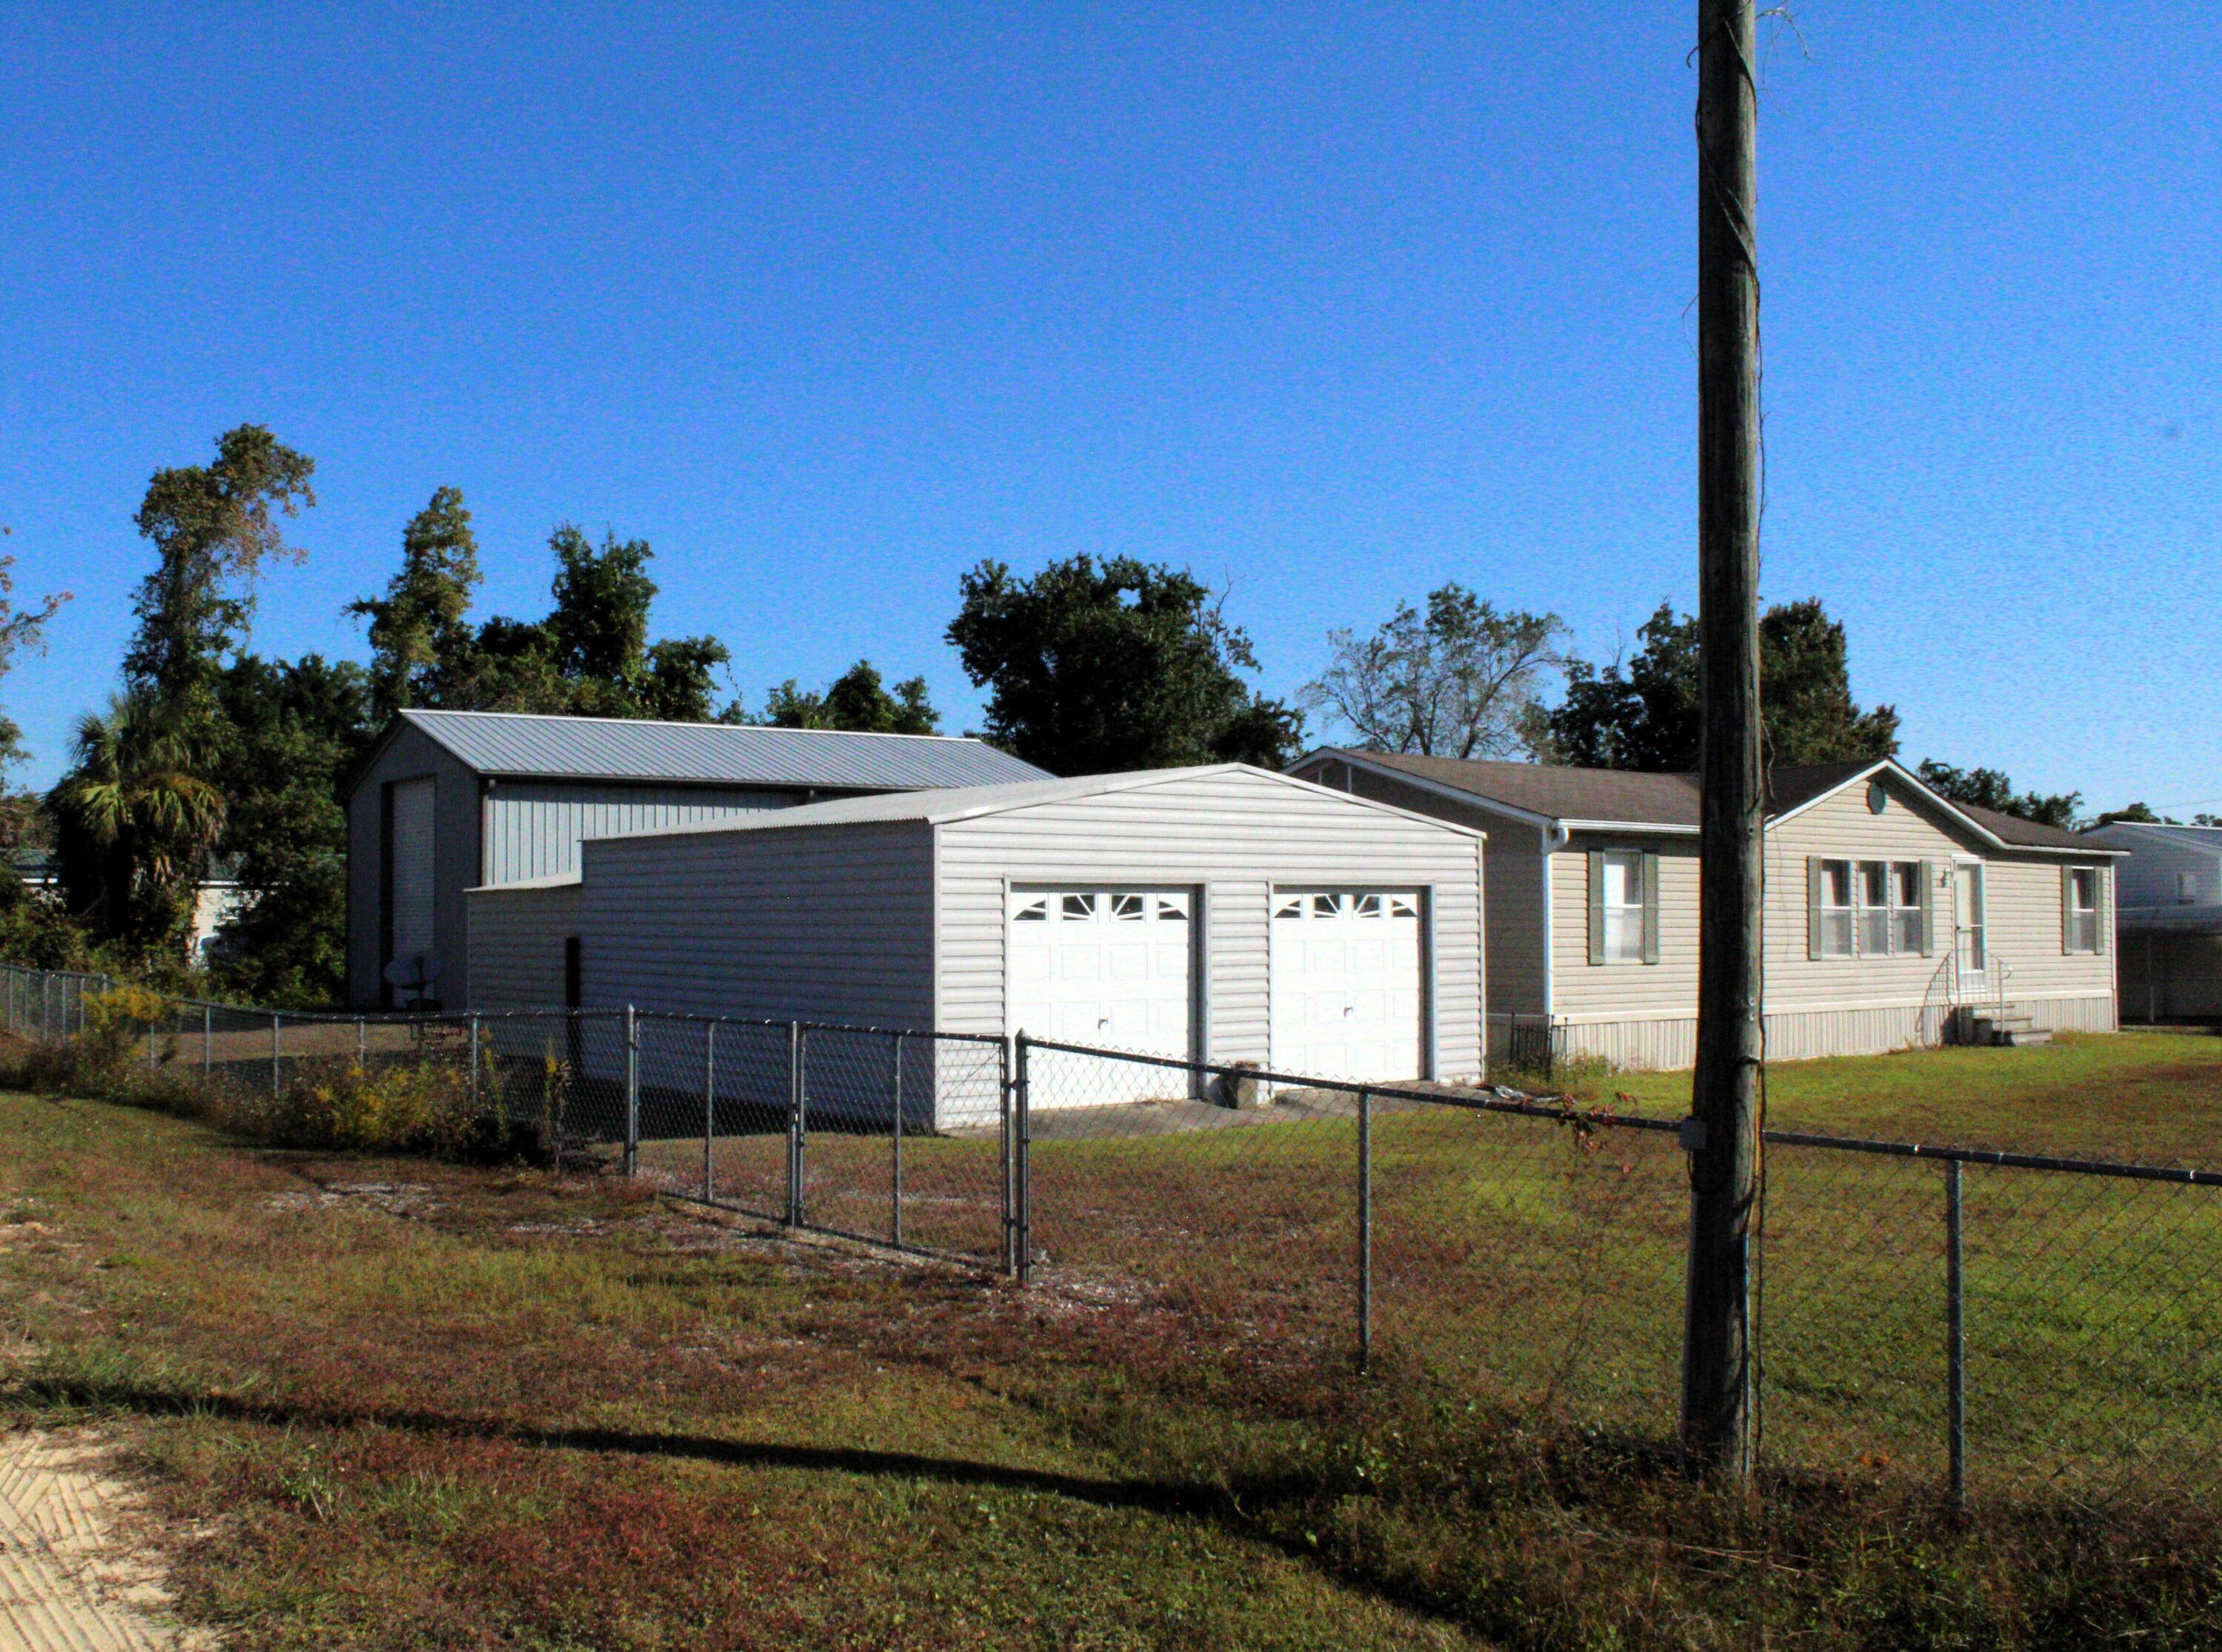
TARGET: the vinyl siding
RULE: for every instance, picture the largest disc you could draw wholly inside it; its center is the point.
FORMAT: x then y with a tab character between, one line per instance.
533	829
1513	873
517	946
831	924
1235	836
1645	1015
1841	828
1668	988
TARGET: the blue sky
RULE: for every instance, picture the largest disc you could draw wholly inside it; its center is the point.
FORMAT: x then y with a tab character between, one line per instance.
1330	302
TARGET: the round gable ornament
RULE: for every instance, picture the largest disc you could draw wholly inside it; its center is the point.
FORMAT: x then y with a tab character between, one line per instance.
1878	798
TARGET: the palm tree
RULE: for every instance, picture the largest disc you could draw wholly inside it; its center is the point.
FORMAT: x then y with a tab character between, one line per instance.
143	816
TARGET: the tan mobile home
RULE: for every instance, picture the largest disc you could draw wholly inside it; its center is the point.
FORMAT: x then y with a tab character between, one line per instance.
1894	917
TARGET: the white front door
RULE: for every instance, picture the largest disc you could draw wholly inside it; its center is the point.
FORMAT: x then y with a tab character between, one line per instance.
1346	988
1971	945
1108	967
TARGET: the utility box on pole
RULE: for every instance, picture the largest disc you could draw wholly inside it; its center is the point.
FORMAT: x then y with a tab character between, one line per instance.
1717	1419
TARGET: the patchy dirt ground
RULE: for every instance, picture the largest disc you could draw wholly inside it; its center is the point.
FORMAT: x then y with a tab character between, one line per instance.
74	1576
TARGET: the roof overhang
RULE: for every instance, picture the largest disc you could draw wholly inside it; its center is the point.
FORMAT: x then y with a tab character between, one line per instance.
1887	765
2168	920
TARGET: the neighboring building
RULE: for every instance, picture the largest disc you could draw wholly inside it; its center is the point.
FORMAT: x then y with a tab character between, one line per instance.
219	900
1225	914
1888	909
2171	919
448	801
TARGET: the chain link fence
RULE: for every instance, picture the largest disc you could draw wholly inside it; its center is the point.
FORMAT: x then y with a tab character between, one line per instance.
1986	1323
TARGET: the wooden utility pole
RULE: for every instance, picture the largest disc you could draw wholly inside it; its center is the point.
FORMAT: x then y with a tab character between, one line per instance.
1717	1420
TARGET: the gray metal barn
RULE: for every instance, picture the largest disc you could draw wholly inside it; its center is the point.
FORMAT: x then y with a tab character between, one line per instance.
1223	913
450	800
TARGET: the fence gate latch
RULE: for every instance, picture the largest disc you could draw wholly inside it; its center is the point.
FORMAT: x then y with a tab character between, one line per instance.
1693	1135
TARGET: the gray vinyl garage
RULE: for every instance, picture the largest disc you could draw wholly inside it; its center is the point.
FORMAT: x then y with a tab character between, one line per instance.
1223	913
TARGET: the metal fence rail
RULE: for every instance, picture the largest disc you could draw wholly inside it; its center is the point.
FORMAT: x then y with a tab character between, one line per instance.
1987	1321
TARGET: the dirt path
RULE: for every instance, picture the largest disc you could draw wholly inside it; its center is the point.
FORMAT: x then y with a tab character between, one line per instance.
68	1583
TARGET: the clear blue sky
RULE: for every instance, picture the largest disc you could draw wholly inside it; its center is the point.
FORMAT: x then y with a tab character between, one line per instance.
1331	303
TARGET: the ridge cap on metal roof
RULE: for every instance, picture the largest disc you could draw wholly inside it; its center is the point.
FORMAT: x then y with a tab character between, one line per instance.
414	712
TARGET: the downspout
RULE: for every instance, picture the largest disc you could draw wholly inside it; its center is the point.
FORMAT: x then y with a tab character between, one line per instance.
1556	838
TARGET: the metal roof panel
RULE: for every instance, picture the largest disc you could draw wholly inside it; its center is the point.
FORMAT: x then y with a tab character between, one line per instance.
614	749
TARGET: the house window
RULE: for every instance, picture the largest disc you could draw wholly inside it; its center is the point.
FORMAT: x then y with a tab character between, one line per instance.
1832	909
1621	899
1907	884
2186	889
1874	924
2082	909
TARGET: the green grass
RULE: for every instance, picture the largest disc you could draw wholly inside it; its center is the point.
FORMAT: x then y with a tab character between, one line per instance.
2155	1097
461	1407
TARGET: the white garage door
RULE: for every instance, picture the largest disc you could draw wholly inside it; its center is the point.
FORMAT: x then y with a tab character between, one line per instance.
1346	984
1104	967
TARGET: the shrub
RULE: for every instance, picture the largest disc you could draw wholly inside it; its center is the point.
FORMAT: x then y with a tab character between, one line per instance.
427	1105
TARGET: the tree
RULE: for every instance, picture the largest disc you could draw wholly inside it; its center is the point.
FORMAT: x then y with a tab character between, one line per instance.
138	817
681	680
21	815
212	527
1805	685
589	657
1989	788
1123	664
599	625
418	635
1644	715
1459	680
293	731
858	700
2138	814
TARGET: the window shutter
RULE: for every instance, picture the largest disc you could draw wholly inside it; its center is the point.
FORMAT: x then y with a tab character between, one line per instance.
2104	878
2068	909
1650	909
1812	906
1928	908
1597	906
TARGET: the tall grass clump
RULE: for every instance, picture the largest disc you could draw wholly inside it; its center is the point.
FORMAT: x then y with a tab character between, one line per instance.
424	1106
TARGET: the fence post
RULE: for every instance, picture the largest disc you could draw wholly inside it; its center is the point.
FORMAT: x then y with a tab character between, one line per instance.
709	1108
474	1064
277	1051
631	1090
895	1223
1022	1230
362	1044
795	1079
208	1041
1955	1339
1364	1229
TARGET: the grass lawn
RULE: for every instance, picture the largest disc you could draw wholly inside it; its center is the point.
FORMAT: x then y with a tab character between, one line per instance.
2153	1097
394	1403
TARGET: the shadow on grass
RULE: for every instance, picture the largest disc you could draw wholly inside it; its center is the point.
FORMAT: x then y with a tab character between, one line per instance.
1233	1503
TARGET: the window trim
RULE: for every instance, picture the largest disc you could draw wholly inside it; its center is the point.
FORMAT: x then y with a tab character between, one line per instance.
1819	910
1647	871
2073	916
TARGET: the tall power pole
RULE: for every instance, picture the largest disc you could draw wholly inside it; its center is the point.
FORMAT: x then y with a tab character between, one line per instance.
1717	1419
